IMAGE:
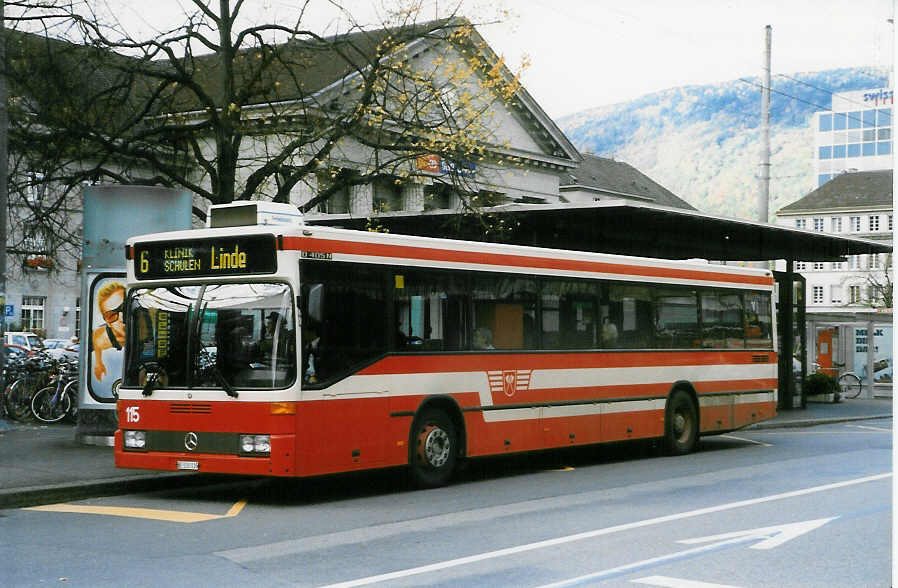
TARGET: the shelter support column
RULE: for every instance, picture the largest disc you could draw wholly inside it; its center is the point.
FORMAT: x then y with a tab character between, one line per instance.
871	360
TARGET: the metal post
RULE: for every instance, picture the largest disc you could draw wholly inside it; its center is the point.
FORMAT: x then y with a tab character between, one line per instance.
764	172
871	360
787	312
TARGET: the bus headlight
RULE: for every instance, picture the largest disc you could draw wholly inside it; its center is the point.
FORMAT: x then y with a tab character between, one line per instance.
255	443
135	439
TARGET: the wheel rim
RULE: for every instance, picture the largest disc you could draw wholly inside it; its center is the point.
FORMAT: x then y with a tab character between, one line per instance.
682	425
434	446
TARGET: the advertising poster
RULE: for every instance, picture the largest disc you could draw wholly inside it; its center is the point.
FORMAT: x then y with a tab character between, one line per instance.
882	354
107	336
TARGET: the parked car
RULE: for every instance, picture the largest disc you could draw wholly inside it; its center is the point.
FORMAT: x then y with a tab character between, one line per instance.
57	348
29	341
15	352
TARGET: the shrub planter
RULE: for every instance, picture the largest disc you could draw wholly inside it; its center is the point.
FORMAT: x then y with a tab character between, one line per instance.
821	387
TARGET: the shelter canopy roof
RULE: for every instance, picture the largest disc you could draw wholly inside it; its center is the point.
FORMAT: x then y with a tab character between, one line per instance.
622	227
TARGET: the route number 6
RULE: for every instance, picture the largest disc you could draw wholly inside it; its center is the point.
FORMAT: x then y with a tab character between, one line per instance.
132	414
144	262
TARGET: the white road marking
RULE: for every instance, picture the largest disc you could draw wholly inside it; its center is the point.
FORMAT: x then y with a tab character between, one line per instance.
878	429
770	537
434	567
667	582
761	443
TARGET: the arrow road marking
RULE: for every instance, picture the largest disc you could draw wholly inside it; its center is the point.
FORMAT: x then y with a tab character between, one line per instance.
773	536
171	516
770	537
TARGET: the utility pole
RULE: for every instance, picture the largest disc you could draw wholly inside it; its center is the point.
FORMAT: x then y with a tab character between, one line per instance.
764	193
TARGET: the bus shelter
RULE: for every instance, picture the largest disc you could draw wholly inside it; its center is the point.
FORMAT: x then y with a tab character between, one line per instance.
629	227
858	342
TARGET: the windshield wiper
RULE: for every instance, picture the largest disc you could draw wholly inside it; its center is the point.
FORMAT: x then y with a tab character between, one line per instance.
153	373
226	386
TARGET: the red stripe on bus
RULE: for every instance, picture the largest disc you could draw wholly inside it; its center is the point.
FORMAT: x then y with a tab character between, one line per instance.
466	362
503	259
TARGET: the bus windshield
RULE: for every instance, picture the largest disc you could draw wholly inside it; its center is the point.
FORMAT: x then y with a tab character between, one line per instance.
211	336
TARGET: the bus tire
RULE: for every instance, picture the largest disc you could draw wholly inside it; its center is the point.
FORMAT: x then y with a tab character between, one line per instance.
680	424
434	447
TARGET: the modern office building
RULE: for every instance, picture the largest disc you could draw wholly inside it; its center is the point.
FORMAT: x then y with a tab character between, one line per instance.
856	135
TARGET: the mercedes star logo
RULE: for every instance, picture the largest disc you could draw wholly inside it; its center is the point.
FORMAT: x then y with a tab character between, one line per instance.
191	441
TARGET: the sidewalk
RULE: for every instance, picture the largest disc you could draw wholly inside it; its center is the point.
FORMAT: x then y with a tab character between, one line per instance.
43	464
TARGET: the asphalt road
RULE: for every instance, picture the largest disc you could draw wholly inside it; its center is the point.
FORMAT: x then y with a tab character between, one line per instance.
779	507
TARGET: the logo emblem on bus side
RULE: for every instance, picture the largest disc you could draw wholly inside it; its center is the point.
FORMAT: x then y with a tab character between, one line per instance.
509	382
191	441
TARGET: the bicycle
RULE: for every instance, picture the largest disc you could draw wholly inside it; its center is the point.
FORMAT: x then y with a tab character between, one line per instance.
849	383
54	403
27	378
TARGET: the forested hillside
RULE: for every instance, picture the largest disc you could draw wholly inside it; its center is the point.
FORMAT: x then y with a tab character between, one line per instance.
703	142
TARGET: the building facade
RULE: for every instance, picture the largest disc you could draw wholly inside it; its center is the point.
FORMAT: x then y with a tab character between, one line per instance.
858	204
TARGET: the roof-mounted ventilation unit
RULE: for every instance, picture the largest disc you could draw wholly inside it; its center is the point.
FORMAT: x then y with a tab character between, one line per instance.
241	213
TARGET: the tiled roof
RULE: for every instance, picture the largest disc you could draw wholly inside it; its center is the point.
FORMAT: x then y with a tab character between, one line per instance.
304	67
848	190
619	178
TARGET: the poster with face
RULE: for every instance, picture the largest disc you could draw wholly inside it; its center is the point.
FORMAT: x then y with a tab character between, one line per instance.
107	336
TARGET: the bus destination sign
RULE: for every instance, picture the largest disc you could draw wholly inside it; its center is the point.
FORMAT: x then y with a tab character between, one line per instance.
223	256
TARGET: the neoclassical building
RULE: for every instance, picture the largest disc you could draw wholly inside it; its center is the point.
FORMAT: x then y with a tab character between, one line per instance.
522	157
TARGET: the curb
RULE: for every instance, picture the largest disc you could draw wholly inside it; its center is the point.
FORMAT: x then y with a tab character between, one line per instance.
813	422
64	492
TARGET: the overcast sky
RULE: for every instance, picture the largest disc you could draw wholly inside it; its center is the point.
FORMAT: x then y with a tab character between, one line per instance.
588	53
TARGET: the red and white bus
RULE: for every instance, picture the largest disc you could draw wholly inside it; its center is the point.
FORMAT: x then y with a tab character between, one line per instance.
298	350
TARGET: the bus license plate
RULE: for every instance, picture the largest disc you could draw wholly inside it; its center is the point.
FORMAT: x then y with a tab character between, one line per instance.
188	465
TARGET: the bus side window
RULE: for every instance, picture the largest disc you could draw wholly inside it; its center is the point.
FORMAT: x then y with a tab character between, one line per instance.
630	311
676	318
506	309
430	310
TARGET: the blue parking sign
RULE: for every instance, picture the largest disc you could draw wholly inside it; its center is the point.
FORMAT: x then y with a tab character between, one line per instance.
9	310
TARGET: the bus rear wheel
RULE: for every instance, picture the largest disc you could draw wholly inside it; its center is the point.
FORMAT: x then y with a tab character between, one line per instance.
680	424
434	445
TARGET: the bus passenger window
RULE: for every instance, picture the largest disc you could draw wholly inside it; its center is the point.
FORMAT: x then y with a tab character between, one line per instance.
722	323
505	307
676	318
431	309
630	310
758	320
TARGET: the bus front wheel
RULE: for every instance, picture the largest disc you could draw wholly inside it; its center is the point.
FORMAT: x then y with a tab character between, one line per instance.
680	424
434	445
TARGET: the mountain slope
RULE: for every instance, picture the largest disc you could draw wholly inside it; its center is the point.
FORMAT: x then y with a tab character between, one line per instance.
703	142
